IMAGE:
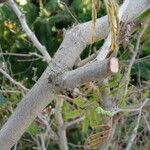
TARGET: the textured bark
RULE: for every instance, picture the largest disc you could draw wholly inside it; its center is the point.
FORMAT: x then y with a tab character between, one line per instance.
47	88
134	9
95	70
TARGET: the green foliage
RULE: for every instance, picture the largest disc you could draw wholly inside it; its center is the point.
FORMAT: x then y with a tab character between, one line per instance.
80	107
145	15
47	18
85	124
31	12
101	111
33	129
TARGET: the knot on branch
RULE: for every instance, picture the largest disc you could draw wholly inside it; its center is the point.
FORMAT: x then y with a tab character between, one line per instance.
52	79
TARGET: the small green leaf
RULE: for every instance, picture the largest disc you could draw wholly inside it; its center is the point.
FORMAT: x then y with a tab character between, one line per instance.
33	129
72	114
85	125
101	111
94	118
79	102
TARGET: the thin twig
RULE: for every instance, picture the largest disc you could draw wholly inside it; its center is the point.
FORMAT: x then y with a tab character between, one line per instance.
12	80
76	121
76	146
28	31
61	130
134	133
146	121
106	46
138	109
49	131
21	55
9	91
28	60
68	10
42	143
86	60
127	76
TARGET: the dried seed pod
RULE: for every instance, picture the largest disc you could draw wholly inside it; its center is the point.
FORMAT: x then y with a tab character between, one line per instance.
112	12
95	9
95	140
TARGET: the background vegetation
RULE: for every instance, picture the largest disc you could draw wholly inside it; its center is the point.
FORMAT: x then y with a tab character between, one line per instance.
49	19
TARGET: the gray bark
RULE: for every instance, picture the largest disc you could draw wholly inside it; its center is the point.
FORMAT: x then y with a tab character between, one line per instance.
96	70
46	88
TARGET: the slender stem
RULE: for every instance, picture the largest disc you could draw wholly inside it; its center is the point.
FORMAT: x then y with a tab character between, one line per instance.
12	80
61	130
28	31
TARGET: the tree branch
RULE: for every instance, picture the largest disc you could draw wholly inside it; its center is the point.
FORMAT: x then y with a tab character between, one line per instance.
12	80
45	89
50	134
146	121
28	31
127	75
135	8
76	121
93	71
61	130
134	134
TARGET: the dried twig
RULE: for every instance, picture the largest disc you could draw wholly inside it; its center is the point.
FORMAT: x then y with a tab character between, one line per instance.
45	90
106	47
134	133
137	109
22	55
9	91
12	80
76	121
127	76
49	131
146	121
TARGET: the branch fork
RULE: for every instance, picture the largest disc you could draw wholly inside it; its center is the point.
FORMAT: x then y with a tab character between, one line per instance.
43	92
